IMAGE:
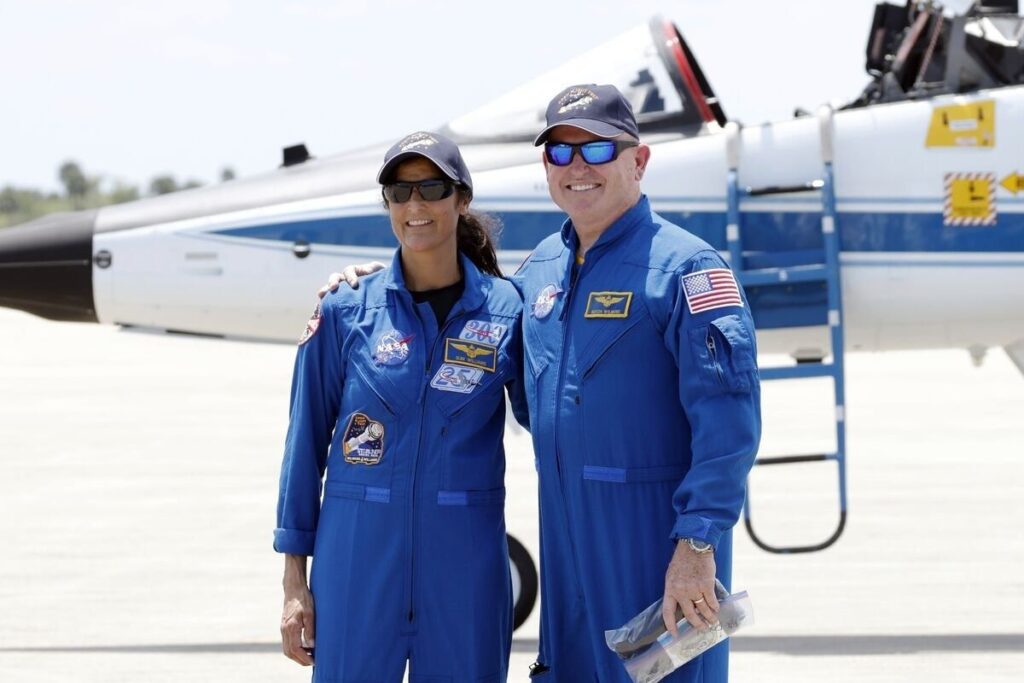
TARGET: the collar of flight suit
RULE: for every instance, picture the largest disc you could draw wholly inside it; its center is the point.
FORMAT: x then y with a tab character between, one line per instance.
620	227
474	291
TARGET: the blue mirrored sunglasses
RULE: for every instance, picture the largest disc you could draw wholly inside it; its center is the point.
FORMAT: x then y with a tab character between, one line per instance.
595	152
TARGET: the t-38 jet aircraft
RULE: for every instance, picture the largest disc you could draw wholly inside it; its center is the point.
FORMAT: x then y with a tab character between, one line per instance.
893	222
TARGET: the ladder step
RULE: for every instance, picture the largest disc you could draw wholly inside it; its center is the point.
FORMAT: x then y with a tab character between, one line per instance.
787	459
776	276
812	186
802	371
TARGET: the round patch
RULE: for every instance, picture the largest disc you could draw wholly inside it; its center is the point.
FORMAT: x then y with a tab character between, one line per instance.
392	348
311	326
545	301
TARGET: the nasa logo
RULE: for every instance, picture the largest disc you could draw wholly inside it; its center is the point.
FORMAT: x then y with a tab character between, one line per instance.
545	301
392	348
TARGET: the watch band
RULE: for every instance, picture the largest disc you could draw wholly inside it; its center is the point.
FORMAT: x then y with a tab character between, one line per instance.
699	547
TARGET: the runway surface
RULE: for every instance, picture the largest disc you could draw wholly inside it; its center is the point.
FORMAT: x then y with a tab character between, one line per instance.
138	481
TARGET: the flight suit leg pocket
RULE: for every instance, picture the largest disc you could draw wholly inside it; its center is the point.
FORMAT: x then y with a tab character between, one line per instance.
724	356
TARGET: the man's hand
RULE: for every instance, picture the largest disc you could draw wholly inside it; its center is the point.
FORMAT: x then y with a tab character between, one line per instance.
690	585
350	275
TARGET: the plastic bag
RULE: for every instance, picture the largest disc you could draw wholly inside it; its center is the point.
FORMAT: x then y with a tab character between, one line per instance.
650	652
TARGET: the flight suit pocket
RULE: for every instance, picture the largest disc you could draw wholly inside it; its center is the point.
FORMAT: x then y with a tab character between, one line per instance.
603	342
472	461
366	434
723	352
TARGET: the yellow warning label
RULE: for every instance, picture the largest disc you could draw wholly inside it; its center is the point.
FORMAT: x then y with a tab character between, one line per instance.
1014	182
963	125
970	199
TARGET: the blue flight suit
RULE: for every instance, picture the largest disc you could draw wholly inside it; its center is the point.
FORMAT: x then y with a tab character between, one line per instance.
409	553
645	415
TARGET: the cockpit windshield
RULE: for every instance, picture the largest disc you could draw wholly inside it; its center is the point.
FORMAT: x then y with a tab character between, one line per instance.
650	64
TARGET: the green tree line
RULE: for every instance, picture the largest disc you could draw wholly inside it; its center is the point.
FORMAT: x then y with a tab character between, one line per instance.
84	191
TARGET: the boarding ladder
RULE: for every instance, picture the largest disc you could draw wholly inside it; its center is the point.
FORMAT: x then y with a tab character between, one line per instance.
760	272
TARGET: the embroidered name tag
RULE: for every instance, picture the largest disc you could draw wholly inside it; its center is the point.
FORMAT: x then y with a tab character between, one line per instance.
608	305
471	354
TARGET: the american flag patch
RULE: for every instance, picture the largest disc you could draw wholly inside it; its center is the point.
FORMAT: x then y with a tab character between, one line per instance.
709	289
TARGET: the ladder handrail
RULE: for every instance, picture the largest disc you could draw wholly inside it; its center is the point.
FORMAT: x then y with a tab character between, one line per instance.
836	369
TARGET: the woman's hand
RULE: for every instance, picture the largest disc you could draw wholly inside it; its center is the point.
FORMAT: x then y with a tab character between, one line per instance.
297	617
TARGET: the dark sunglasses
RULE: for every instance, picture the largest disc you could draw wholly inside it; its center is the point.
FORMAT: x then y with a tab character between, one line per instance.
430	190
596	152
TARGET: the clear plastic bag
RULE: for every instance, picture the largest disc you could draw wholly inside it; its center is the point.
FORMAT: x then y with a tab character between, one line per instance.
650	652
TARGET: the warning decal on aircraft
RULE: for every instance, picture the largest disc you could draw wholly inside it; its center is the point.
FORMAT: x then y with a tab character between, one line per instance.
963	125
970	199
1014	182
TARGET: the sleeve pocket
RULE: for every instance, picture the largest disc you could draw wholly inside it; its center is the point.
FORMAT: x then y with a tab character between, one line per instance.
724	355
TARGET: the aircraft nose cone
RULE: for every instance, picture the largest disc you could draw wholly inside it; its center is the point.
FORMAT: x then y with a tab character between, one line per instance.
46	267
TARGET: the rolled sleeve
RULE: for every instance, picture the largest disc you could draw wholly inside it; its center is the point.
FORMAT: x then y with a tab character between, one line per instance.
294	541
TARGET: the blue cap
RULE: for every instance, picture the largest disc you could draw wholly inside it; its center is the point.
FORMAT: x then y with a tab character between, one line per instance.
597	109
437	149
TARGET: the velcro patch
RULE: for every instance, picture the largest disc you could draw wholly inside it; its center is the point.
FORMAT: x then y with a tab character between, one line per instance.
460	379
471	354
364	440
608	305
483	331
709	289
311	327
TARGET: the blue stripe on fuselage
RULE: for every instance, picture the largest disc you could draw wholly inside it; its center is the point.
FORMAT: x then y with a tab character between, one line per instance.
761	231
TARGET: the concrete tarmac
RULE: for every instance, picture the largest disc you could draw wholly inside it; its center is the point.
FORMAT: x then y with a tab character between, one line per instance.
138	482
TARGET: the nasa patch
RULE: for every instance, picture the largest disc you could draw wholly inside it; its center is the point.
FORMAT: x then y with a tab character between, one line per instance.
483	331
364	440
392	348
460	379
311	326
545	301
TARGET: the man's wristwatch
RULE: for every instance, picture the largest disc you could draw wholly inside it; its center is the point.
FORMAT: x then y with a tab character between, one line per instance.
699	547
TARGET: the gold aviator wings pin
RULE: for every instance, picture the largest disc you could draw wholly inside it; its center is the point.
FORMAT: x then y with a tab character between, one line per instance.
607	300
471	351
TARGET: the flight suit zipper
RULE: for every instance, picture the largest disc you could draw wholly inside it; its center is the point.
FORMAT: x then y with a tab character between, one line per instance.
713	352
565	317
414	480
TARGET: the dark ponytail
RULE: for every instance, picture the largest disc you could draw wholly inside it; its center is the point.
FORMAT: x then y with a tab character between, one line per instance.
476	234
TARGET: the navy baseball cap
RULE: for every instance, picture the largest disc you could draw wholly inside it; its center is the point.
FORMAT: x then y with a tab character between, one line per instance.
437	149
597	109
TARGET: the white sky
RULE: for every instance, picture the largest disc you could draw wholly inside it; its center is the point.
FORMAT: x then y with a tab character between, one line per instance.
133	88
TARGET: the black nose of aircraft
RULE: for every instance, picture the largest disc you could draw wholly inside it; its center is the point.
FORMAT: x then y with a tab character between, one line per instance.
46	267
